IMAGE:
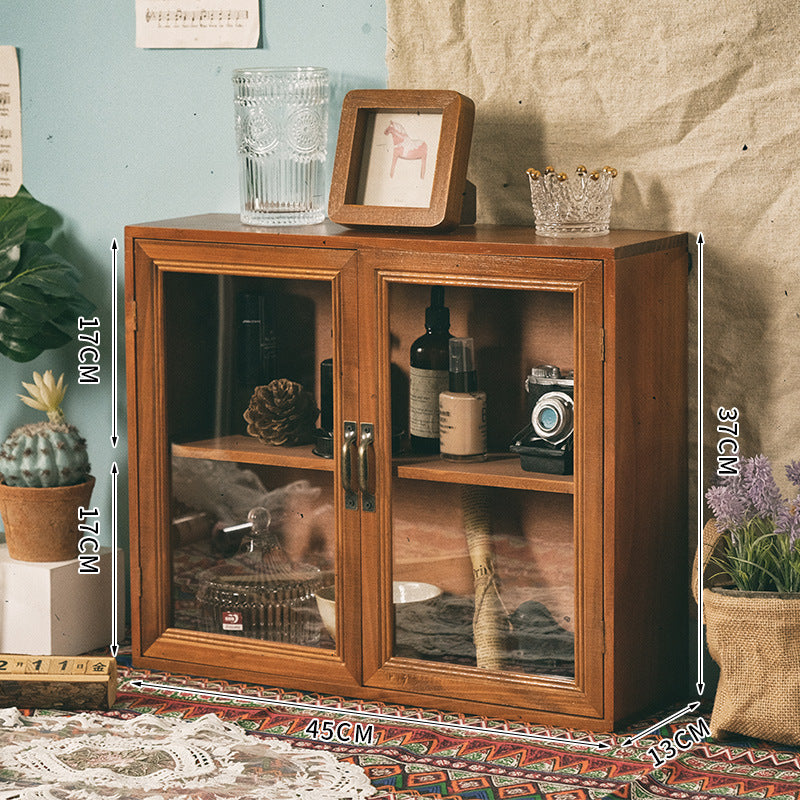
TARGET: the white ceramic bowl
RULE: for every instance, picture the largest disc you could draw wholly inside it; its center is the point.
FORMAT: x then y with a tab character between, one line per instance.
413	592
402	592
327	608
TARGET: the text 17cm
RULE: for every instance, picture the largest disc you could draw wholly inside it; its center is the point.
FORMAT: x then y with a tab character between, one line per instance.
89	542
89	354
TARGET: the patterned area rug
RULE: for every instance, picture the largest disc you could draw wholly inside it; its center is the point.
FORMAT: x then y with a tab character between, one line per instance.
441	756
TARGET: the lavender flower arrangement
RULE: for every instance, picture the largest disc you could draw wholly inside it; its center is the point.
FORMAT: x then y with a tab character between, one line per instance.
762	551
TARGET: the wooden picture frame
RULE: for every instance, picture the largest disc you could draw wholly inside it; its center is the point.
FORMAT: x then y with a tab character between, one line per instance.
401	158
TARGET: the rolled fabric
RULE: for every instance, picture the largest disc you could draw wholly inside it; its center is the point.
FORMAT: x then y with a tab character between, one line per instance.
490	624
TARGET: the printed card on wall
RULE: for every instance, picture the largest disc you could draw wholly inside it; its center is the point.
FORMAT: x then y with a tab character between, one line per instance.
197	23
10	123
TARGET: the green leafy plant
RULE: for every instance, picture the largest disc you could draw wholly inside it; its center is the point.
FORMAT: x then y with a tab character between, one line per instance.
761	551
39	300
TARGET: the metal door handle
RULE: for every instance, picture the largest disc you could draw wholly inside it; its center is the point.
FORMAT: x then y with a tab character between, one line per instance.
350	494
364	446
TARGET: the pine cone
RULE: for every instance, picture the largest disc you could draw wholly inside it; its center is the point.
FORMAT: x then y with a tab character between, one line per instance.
282	413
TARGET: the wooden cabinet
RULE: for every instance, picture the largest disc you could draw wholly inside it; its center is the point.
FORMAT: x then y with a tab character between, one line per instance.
587	610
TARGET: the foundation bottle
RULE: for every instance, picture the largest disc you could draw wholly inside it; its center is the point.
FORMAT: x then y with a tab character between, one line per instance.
429	375
462	408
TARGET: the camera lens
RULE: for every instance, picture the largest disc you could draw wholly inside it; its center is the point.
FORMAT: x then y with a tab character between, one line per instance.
551	417
548	418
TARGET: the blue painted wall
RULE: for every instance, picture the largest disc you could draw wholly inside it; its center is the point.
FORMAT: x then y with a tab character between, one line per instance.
114	135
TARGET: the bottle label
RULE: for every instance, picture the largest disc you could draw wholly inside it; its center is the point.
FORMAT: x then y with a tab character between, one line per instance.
462	424
426	385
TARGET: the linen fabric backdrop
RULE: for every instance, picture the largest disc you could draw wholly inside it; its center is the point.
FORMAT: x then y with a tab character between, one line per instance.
698	107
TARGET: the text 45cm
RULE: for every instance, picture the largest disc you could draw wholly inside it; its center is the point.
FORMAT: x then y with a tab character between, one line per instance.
326	730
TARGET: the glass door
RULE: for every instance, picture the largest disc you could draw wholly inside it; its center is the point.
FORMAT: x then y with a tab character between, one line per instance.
249	385
491	567
249	398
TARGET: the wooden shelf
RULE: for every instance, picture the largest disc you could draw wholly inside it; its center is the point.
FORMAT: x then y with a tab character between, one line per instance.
247	450
500	470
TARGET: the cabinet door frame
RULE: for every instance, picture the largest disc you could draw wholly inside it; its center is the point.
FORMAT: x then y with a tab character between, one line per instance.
425	682
155	643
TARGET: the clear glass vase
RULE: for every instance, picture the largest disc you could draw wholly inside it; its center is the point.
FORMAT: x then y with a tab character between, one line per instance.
281	141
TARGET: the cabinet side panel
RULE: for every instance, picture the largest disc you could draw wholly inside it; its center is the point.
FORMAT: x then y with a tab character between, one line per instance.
145	368
646	479
132	427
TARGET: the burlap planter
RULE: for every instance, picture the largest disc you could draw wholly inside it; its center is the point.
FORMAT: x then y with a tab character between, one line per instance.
754	637
42	524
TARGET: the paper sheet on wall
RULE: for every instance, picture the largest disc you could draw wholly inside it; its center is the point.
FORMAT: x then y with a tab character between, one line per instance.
10	123
197	23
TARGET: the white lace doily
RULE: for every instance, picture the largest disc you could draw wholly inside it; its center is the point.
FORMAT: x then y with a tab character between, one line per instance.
89	757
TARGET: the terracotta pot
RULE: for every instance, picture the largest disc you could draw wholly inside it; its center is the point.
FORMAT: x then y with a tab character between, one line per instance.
42	524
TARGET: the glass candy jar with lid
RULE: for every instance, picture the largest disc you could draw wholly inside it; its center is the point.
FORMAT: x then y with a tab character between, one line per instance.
259	593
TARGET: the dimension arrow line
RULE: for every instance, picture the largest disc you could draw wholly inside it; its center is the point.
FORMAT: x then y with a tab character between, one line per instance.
114	563
114	353
685	710
700	407
317	709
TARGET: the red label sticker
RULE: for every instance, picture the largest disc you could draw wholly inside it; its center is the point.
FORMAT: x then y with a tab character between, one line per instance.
232	621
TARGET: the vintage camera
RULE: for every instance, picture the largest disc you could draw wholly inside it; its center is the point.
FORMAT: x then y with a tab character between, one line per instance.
545	444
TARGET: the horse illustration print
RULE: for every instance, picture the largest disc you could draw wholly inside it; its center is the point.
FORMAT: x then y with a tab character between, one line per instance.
406	148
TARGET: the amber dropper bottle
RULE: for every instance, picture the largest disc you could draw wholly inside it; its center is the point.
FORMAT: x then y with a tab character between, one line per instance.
429	375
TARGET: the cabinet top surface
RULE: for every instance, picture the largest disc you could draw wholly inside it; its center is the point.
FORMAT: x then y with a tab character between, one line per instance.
227	229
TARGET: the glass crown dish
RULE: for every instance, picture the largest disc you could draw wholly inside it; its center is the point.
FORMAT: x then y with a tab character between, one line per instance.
259	593
580	206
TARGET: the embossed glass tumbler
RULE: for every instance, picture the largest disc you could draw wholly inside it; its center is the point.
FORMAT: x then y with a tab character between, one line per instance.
281	139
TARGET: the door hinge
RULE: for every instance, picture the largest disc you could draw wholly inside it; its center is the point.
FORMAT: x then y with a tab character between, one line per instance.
131	318
602	344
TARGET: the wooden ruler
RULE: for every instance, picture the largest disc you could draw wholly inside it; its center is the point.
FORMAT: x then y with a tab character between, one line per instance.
57	682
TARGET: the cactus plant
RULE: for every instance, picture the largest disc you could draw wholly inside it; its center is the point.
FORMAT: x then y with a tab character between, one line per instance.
44	454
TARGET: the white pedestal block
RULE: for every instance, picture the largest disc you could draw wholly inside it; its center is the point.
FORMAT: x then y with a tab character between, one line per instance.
52	609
